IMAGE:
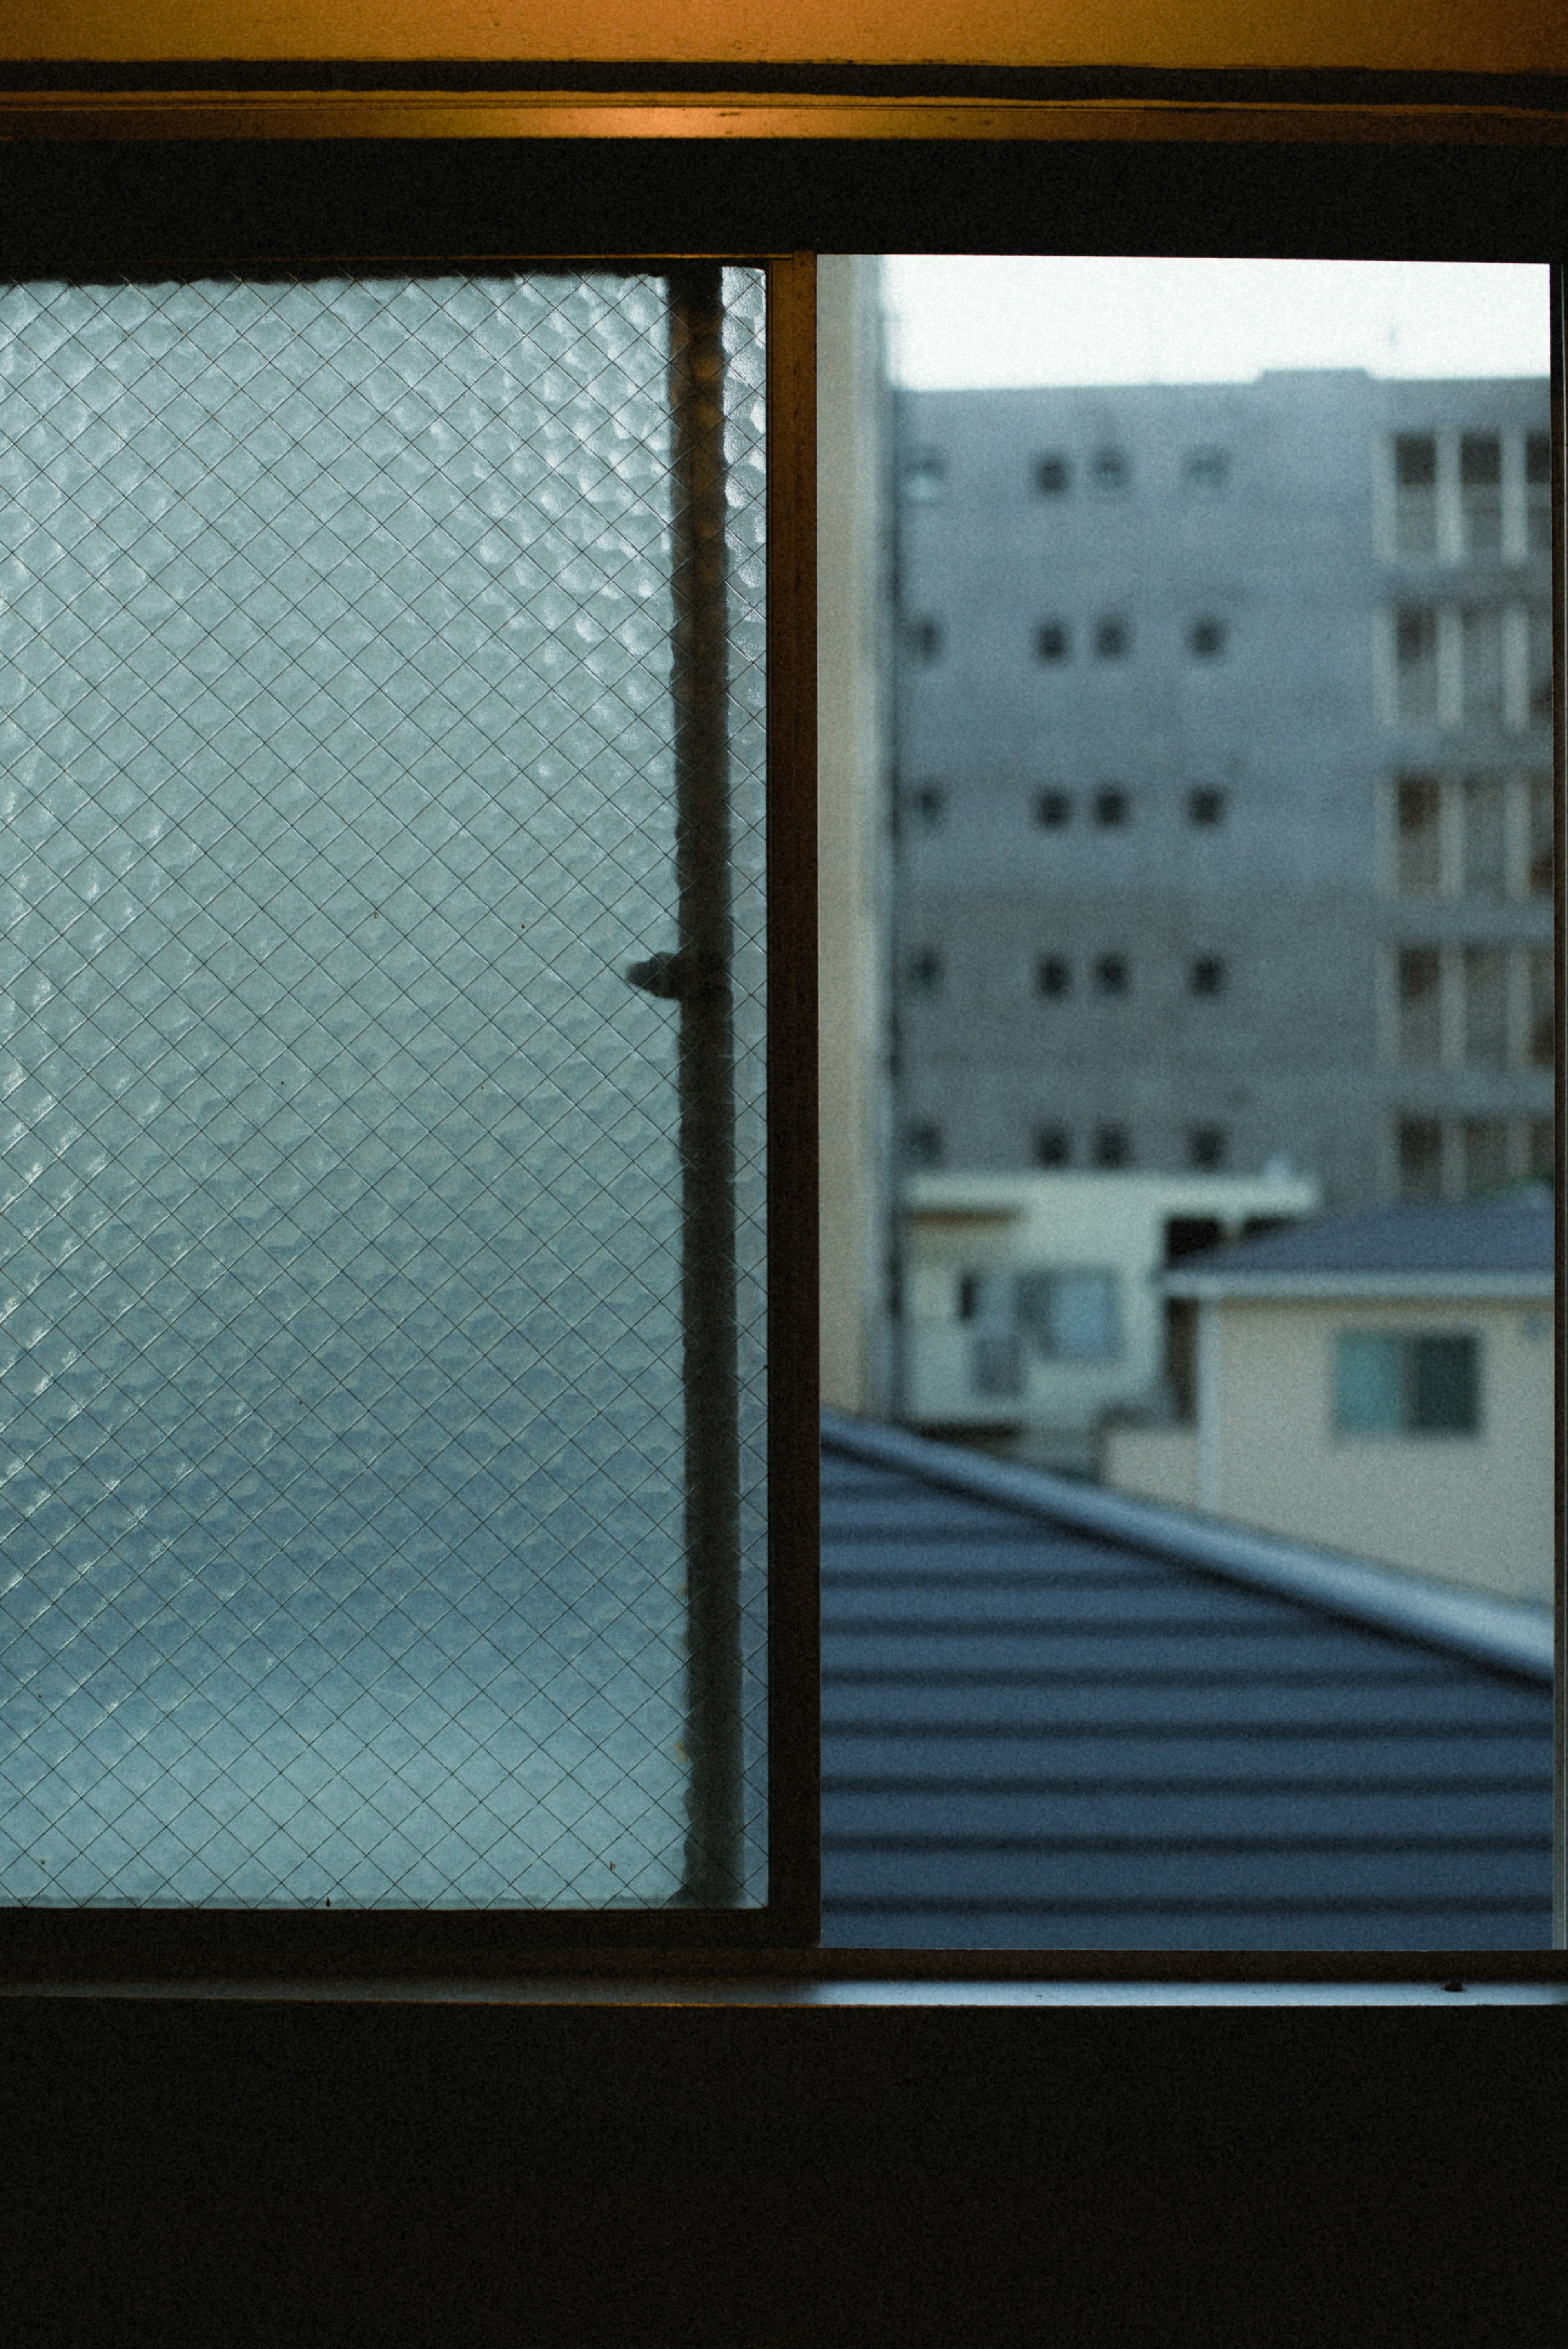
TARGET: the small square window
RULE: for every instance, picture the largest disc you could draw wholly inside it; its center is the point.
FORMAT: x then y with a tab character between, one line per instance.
1206	1148
1113	637
1206	471
1205	805
1112	1146
925	477
1481	460
1053	475
1111	471
1206	639
1111	808
1420	1154
1053	1146
1389	1384
1052	641
926	971
1111	974
923	1144
925	641
1206	976
1415	461
1538	460
1054	975
927	804
1054	809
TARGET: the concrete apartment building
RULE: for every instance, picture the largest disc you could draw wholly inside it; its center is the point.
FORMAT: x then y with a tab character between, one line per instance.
1224	781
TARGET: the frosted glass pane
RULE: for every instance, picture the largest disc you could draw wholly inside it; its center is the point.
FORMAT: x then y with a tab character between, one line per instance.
341	1466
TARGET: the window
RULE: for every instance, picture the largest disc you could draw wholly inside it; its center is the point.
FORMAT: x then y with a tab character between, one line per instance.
1053	1146
1205	807
1053	810
1206	976
1206	639
925	639
1112	1146
1420	1006
925	477
1206	471
1206	1148
1113	639
1416	495
1485	806
1541	824
1387	1384
1070	1316
1052	641
1486	1007
1054	975
1481	652
1053	476
1543	1010
1419	836
1480	492
926	971
927	804
1486	1153
1538	658
1419	1150
1111	808
1416	666
1111	974
390	726
1110	471
923	1143
1538	492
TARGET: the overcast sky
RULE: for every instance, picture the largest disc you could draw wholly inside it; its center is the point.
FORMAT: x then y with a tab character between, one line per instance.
963	321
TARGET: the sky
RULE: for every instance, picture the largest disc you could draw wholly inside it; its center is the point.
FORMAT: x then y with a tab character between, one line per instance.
967	321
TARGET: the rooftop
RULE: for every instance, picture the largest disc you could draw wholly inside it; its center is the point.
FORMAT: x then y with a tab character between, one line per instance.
1510	1236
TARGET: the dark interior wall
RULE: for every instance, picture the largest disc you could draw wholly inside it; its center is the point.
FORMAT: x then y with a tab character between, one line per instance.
289	2174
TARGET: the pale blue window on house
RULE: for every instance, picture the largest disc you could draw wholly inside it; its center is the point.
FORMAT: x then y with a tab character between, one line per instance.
345	1370
1394	1385
1070	1317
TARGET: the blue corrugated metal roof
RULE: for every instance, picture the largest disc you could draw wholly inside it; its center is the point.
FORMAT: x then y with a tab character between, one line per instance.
1039	1737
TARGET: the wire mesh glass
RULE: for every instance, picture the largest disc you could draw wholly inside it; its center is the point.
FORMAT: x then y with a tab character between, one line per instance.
342	1369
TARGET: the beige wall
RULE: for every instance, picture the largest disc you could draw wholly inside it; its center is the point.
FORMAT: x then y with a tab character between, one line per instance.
851	799
1476	1510
1505	36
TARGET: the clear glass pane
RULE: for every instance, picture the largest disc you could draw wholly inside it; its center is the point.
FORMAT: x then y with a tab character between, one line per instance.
344	1393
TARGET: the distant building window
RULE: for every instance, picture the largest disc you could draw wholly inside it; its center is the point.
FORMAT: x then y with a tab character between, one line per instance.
1052	641
1111	974
1205	805
1420	1006
1542	1009
1054	975
1418	830
927	804
1416	495
1416	664
1541	820
1053	1146
1054	809
926	971
923	1144
1112	1146
1420	1155
1070	1316
1053	476
1206	1148
1538	490
1396	1385
1480	492
1485	836
1482	656
1110	470
925	641
1113	639
1206	976
925	477
1543	1147
1206	471
1486	1153
1539	665
1111	808
1206	639
1485	975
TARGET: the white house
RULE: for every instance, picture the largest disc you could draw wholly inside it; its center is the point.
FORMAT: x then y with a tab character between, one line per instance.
1032	1304
1378	1383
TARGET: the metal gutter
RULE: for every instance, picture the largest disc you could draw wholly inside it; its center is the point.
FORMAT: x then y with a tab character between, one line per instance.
1501	1633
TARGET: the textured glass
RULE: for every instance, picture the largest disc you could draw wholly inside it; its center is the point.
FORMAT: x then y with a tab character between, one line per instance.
340	1342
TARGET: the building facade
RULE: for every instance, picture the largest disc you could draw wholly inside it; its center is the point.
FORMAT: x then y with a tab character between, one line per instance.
1224	800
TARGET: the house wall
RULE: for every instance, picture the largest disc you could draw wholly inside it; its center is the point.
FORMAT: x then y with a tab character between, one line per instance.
1472	1509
